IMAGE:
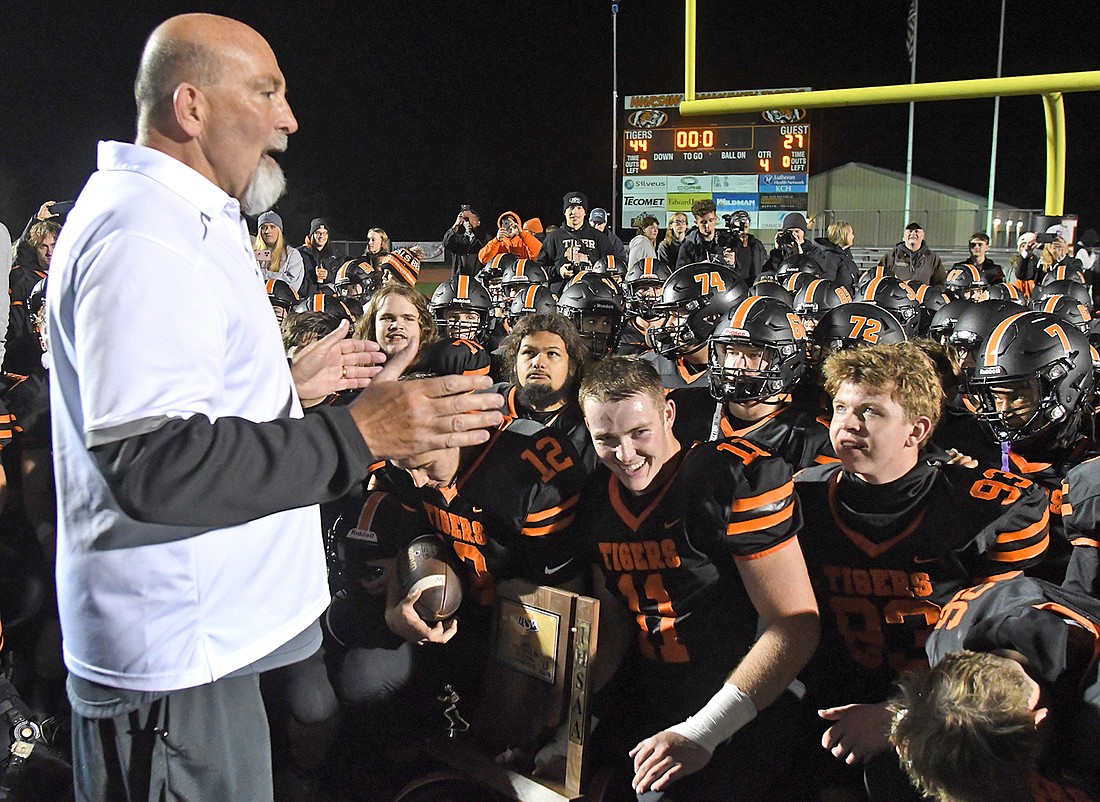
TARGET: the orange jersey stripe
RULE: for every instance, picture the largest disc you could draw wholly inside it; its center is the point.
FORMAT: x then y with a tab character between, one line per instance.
1021	554
757	524
543	515
538	531
764	499
1028	532
767	552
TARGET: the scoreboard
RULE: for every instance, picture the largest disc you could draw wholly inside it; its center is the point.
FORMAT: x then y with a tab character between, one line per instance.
756	163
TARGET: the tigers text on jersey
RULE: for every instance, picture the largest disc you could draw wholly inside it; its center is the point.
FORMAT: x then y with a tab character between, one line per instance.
670	553
508	511
883	560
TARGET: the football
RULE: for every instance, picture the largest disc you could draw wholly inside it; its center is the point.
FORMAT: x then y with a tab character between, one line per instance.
430	565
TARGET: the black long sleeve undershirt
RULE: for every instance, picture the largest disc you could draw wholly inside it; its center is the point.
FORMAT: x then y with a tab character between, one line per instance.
197	473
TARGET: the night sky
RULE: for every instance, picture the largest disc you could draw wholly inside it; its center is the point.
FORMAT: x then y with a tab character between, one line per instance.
407	110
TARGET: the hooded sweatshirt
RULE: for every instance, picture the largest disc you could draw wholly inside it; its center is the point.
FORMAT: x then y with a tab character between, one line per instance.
523	245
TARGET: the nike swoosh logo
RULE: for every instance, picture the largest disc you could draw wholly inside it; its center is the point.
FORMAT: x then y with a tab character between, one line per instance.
921	560
670	524
556	568
476	510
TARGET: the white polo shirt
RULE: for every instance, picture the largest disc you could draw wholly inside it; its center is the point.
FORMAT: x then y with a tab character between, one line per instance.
157	309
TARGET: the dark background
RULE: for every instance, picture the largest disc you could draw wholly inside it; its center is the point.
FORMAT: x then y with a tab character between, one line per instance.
407	110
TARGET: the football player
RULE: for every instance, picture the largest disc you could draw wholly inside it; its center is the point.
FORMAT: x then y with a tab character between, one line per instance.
692	301
698	542
1009	709
758	354
544	359
896	538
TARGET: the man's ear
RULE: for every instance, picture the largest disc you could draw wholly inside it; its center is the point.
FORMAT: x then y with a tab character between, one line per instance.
670	412
189	109
922	430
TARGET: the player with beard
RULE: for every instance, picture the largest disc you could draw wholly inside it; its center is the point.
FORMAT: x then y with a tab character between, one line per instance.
894	540
544	360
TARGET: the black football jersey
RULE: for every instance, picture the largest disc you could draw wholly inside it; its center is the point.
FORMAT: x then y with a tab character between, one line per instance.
1079	508
632	341
884	559
451	357
675	373
509	508
569	420
1058	632
793	431
670	553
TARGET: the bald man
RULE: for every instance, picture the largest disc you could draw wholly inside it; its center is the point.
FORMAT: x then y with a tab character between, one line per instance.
189	544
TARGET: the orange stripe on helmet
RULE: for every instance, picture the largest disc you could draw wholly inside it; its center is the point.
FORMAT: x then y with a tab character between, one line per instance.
994	343
743	310
529	298
869	293
463	287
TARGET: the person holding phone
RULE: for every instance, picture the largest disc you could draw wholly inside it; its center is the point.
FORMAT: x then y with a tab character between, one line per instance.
510	238
463	240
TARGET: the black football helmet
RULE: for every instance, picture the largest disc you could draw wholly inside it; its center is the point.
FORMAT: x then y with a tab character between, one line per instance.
522	273
692	301
817	298
931	300
462	294
1074	289
975	324
797	263
597	313
1030	376
533	300
855	325
964	280
767	287
492	274
897	299
329	304
355	278
1063	272
282	296
37	296
1075	312
613	268
761	331
642	286
943	322
1005	292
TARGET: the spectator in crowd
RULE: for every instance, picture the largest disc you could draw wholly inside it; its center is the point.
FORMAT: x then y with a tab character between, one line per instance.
835	252
510	238
462	241
599	220
275	259
704	243
534	227
172	585
317	255
644	243
402	266
1086	254
669	249
1026	244
33	255
913	259
749	253
1055	254
378	245
992	273
573	246
790	241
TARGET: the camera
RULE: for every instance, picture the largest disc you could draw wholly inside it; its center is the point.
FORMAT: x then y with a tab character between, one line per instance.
786	239
736	223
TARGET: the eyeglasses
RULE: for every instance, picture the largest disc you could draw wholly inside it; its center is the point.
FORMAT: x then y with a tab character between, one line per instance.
976	244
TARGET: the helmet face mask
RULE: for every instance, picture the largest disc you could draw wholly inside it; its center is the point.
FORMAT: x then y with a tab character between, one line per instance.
596	311
757	351
642	286
461	308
